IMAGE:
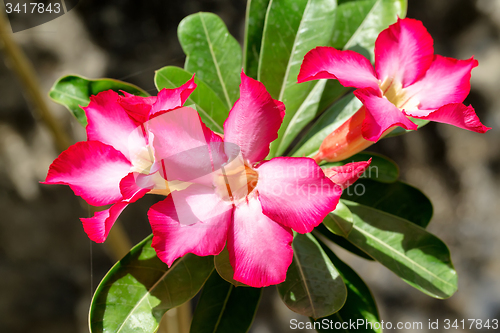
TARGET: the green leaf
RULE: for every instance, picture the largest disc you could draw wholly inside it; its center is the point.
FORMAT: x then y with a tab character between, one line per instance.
213	111
225	308
332	93
381	169
292	28
212	53
341	241
224	268
400	130
140	288
313	287
74	92
339	221
305	114
329	121
254	28
416	256
398	199
359	22
360	303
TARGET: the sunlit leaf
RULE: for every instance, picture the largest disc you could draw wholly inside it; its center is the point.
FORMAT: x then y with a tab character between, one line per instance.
329	121
305	114
359	22
213	111
212	53
341	241
416	256
340	221
74	92
292	28
140	288
254	29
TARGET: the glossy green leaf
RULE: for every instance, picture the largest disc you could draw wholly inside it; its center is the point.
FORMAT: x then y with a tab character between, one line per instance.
360	303
224	268
398	199
292	28
224	308
359	22
305	114
400	130
313	287
140	288
254	30
213	111
212	53
416	256
341	241
340	221
329	121
74	92
333	92
381	169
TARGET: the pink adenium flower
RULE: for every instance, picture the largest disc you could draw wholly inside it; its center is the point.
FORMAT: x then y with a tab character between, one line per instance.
104	169
408	80
233	196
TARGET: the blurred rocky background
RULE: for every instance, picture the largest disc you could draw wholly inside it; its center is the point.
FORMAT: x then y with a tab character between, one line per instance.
48	267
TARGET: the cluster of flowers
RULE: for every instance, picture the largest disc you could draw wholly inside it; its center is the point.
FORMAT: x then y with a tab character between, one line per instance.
220	191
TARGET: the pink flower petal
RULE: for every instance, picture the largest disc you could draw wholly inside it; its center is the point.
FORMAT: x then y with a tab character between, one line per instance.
458	115
93	170
447	81
296	193
98	226
195	221
131	186
346	175
169	99
380	115
141	152
108	121
403	52
141	109
349	67
184	146
254	120
260	249
137	107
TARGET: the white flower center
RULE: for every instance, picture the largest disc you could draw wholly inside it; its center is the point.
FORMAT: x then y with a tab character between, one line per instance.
395	93
235	180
